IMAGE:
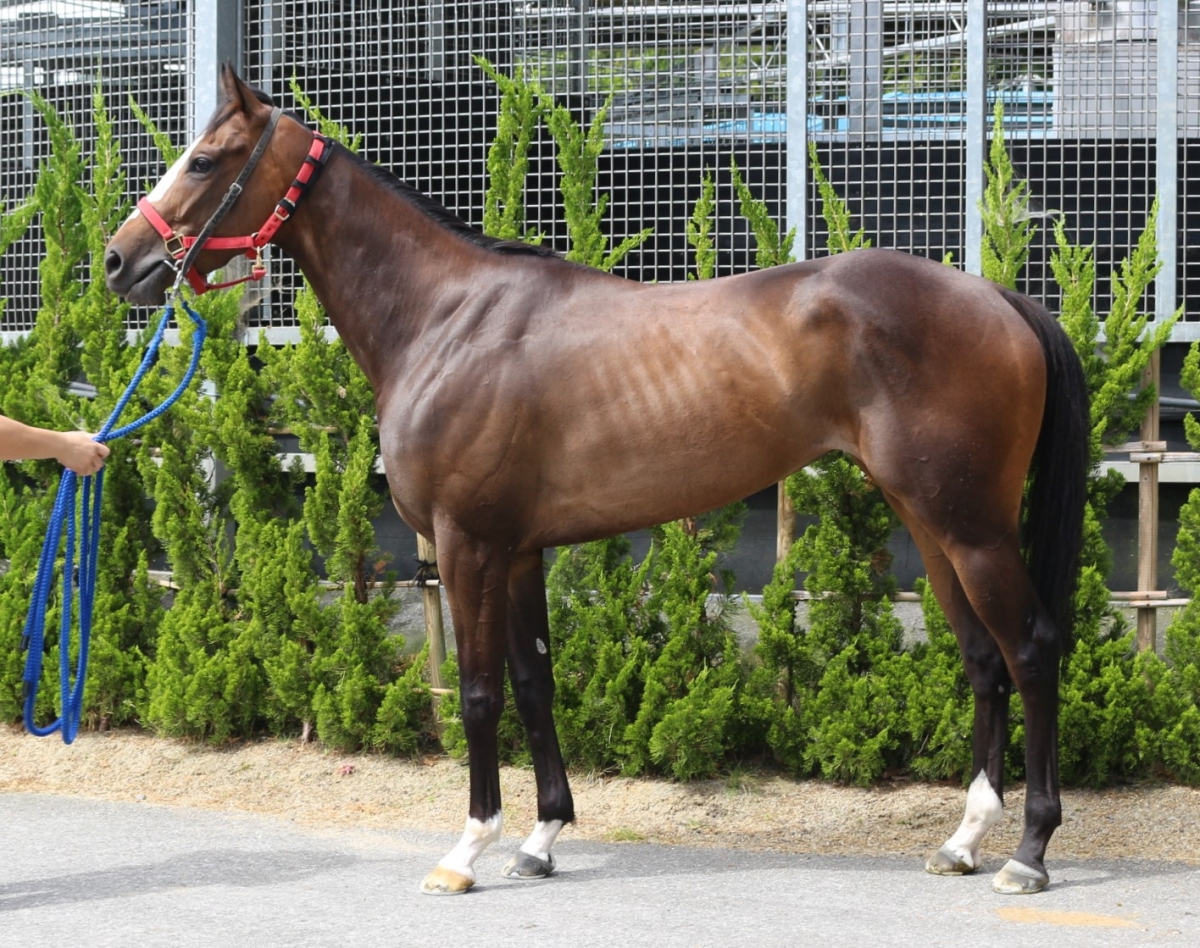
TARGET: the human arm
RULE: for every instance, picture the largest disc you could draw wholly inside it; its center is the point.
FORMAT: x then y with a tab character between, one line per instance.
73	449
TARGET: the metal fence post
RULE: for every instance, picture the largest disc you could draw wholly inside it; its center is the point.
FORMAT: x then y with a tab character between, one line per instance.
797	199
1166	231
797	124
976	135
27	123
577	48
218	39
865	76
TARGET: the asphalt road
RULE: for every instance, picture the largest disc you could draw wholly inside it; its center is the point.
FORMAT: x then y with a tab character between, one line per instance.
79	872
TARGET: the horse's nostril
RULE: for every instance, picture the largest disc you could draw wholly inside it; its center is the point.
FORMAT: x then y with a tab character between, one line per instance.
112	262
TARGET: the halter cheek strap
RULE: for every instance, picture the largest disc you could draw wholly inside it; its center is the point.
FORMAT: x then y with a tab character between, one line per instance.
186	247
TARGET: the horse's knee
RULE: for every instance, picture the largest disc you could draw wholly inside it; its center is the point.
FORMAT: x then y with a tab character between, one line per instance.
482	706
529	680
535	706
986	668
532	693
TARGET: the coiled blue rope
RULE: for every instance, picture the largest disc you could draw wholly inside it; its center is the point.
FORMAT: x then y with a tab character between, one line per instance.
63	515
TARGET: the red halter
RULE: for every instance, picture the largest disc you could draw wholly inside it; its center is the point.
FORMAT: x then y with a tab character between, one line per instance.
179	245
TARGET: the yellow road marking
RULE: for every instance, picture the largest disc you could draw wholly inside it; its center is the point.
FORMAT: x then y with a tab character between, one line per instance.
1033	916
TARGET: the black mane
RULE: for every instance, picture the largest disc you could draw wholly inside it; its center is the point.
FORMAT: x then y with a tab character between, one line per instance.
444	217
440	215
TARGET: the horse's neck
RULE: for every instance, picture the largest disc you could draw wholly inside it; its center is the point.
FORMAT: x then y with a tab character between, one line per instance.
380	267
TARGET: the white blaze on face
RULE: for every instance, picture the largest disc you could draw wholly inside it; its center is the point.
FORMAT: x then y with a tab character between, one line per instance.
167	180
984	810
475	839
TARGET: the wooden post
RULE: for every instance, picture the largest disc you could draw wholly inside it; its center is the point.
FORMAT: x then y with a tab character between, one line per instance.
785	523
1147	616
434	630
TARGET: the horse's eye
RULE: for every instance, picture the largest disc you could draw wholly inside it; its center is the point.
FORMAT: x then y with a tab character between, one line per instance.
201	165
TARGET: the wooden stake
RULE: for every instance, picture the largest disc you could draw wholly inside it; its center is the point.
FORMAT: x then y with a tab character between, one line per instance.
1147	616
435	632
785	523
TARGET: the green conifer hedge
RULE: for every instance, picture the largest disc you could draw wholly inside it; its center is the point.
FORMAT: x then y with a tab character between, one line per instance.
275	619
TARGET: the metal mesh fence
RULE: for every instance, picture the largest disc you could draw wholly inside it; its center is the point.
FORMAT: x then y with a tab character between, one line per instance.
1075	82
690	87
64	50
887	113
1188	205
1098	172
686	87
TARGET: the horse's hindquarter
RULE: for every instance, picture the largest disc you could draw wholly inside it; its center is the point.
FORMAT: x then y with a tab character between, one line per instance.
949	384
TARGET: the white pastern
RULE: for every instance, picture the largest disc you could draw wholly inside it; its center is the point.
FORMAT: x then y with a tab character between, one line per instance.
542	839
475	839
984	810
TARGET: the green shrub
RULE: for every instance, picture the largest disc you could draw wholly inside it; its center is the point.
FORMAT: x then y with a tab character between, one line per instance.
78	334
939	711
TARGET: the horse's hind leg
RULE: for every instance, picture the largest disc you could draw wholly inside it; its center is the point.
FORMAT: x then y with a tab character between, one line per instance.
991	685
476	577
532	675
1000	591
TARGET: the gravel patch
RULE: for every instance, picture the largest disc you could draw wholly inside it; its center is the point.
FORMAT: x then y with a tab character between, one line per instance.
766	812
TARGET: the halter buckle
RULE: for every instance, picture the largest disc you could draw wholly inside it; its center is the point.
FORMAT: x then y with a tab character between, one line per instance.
175	245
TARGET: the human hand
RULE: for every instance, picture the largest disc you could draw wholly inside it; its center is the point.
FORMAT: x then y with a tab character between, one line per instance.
80	453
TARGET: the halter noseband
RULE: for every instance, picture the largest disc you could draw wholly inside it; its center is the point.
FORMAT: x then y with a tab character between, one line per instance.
185	248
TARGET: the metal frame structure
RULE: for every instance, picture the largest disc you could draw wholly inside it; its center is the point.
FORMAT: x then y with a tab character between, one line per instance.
896	95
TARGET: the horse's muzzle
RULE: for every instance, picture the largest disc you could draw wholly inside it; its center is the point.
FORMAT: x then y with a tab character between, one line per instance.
142	278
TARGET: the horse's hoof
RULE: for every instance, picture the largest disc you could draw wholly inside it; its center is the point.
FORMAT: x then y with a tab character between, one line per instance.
946	862
525	866
443	881
1016	878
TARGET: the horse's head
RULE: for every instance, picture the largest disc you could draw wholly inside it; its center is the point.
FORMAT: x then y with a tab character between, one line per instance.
142	259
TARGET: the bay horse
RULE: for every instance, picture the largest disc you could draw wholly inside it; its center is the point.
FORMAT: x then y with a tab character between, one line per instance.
526	402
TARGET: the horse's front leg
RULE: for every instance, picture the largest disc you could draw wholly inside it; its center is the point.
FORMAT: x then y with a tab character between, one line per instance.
531	671
476	577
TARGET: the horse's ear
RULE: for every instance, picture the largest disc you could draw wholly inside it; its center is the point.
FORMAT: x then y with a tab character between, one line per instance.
234	92
228	87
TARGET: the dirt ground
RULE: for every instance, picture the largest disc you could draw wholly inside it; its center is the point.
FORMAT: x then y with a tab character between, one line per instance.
313	786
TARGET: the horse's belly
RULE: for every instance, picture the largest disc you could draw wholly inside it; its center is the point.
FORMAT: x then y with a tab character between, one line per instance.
589	493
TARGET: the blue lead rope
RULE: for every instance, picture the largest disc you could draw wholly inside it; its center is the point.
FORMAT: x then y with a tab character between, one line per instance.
85	582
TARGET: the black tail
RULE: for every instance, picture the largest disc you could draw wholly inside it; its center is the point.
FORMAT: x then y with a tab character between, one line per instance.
1053	536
